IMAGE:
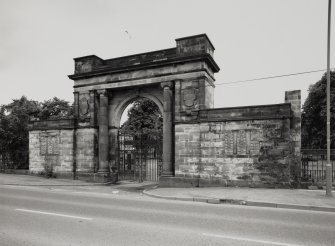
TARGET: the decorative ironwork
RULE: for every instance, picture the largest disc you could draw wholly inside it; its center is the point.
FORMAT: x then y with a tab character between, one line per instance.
139	156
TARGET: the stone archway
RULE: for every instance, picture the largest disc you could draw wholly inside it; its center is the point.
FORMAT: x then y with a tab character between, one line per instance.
179	80
111	106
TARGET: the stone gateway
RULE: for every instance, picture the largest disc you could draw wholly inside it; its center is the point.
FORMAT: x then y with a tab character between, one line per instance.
202	145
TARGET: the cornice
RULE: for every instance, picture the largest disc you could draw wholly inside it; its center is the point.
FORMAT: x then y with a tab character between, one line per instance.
153	64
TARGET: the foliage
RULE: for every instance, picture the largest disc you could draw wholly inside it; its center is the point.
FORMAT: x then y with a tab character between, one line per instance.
314	115
14	130
14	119
144	119
55	109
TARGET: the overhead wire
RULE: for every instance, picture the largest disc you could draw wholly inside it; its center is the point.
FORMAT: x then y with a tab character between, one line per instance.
269	77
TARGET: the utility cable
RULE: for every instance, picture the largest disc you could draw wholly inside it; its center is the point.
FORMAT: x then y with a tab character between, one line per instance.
270	77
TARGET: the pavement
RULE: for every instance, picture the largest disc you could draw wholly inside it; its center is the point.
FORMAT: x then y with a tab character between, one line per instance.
103	215
31	180
277	198
315	200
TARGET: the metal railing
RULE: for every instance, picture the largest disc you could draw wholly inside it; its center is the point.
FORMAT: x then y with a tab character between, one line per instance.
313	165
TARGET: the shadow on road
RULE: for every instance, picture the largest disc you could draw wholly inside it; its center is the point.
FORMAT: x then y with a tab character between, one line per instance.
134	186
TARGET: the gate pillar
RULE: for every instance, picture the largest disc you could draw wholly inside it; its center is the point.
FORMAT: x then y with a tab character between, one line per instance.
103	131
167	129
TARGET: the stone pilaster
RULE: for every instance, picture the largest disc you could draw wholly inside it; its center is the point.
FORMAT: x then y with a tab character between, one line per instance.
178	98
202	92
168	168
103	131
93	115
76	104
294	97
294	125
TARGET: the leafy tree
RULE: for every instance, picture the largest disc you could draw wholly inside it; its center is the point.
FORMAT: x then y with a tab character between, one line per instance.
14	141
55	108
144	120
314	115
14	119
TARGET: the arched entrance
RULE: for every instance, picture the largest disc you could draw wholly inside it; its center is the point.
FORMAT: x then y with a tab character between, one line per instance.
139	150
137	155
179	80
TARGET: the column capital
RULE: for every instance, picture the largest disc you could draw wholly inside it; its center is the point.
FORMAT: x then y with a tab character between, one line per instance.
103	92
169	85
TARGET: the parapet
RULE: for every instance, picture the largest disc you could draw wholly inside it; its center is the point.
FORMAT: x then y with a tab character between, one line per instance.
191	48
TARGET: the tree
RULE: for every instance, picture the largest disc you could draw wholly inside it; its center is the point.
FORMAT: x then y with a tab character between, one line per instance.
314	115
55	108
14	119
144	119
14	141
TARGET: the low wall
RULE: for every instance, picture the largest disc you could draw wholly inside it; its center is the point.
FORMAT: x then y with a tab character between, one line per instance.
86	149
244	146
51	151
58	148
244	152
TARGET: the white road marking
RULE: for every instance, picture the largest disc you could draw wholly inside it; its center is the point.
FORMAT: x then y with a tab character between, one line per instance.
248	239
53	214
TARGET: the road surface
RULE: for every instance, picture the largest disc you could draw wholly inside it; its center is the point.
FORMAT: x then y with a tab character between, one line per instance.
103	216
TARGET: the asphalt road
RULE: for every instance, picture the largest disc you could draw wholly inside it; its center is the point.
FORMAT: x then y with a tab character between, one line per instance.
103	216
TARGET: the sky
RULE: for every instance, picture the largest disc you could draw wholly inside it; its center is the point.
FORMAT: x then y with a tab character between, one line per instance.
252	38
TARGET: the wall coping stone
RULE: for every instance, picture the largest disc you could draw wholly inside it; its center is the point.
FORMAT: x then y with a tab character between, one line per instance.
249	106
52	124
244	113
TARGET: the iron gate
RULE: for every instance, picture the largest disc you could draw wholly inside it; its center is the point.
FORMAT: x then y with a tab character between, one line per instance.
139	156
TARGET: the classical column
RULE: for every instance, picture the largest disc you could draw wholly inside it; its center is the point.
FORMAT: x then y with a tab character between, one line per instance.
103	131
167	129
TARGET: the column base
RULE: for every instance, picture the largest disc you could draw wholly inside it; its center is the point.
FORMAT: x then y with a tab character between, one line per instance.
103	166
167	174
